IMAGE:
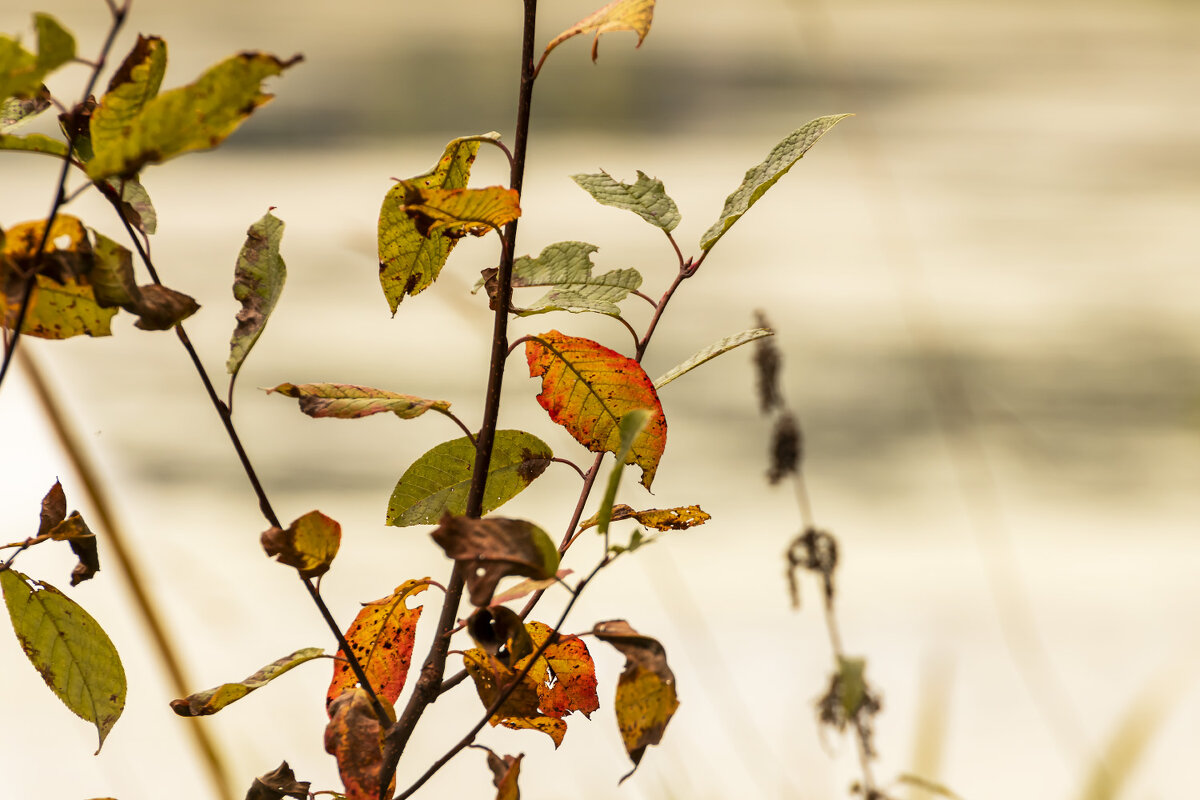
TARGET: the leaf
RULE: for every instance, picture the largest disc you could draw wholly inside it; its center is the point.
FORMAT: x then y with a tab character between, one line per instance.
135	83
647	198
354	736
71	651
21	72
17	111
198	116
666	519
408	261
439	481
458	212
161	309
344	401
762	177
34	143
646	699
619	15
54	509
277	784
567	268
257	283
381	637
587	388
494	548
158	308
56	46
631	425
501	633
63	310
309	544
561	681
505	772
213	700
527	587
134	201
711	352
76	533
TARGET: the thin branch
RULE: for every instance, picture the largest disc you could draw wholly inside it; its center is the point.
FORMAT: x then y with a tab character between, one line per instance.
659	307
678	252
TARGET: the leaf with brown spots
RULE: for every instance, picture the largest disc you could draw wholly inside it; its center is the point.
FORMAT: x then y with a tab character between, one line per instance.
354	736
587	388
459	212
344	401
663	519
257	283
309	544
619	15
381	637
211	701
646	699
496	547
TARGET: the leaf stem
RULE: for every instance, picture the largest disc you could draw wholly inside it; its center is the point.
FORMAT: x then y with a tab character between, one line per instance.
661	306
448	413
118	15
678	252
572	465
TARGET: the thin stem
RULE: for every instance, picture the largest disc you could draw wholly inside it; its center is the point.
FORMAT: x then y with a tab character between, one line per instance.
645	297
520	342
636	341
495	142
448	413
572	465
678	252
39	254
428	686
661	306
508	689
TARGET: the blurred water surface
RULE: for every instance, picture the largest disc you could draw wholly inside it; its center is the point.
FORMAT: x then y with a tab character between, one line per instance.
1014	205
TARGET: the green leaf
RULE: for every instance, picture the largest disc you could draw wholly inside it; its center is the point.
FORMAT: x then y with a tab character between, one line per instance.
21	72
17	111
56	46
257	282
68	648
198	116
34	143
213	700
566	267
344	401
438	482
711	352
135	203
762	177
647	198
408	261
632	424
133	85
112	273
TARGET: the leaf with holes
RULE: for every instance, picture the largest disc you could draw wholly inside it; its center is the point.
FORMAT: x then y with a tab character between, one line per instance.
344	401
408	261
257	283
566	267
198	116
213	700
494	548
439	481
68	648
309	544
381	637
663	519
587	388
619	15
762	177
459	212
647	197
646	699
711	352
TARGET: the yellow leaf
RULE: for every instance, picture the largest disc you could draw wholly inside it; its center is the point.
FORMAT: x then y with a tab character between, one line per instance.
458	212
619	15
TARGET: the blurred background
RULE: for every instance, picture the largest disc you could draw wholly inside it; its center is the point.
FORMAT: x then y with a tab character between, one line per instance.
985	290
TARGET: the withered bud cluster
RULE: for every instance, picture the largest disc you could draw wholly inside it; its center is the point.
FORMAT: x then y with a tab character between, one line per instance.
767	361
815	551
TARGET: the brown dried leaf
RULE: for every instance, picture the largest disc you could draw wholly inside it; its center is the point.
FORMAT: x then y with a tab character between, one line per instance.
54	509
505	772
160	309
355	737
494	548
277	784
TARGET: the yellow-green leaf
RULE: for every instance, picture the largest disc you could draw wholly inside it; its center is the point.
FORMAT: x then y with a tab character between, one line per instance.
198	116
711	352
663	519
619	15
134	84
345	401
458	212
213	700
56	45
68	648
309	544
760	178
21	72
34	143
408	261
257	283
647	197
566	267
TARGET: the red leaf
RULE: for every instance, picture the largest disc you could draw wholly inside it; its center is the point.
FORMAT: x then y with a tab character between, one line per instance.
586	388
381	637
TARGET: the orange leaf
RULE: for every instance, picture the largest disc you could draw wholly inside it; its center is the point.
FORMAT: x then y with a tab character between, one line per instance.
586	388
457	212
354	736
381	637
663	519
574	673
619	15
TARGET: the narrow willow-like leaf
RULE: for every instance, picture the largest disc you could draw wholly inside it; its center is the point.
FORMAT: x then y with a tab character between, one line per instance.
408	261
68	647
257	283
711	352
198	116
762	177
459	212
587	388
135	83
566	267
213	700
34	143
438	482
647	198
619	15
344	401
631	426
